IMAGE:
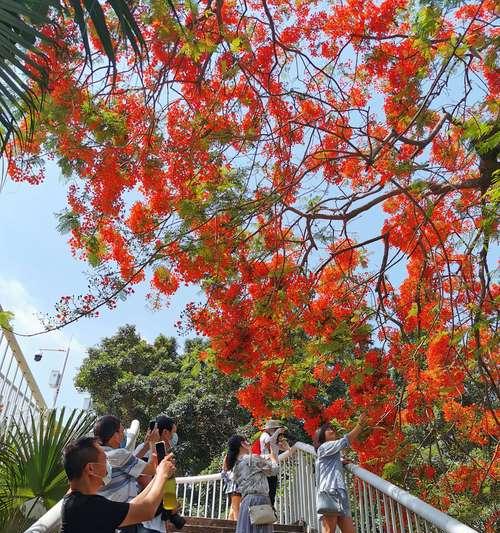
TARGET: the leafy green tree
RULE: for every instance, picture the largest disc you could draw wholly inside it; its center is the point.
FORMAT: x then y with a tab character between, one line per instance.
128	377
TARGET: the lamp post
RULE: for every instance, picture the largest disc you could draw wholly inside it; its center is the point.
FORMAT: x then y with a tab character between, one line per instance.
60	375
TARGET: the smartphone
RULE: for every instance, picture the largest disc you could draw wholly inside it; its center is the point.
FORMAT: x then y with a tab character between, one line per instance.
160	451
152	424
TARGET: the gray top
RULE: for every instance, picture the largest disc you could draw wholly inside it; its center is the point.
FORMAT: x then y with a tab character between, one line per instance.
329	465
250	474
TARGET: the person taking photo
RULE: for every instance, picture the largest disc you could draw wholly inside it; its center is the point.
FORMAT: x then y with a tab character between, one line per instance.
84	510
166	429
250	473
126	466
332	500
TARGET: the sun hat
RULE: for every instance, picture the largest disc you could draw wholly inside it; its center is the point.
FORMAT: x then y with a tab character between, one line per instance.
273	424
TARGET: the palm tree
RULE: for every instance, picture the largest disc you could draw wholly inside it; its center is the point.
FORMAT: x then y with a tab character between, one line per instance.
32	478
20	23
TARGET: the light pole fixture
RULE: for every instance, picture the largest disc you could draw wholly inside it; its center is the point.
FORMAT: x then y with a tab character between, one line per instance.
56	377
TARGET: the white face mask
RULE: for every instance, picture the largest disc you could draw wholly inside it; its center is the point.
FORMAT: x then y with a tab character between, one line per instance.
174	439
107	476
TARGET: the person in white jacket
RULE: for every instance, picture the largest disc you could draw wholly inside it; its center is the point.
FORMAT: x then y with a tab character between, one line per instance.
269	435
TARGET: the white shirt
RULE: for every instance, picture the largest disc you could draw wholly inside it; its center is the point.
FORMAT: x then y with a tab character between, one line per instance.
264	443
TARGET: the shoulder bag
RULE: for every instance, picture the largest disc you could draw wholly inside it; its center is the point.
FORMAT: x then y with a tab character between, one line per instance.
261	514
328	503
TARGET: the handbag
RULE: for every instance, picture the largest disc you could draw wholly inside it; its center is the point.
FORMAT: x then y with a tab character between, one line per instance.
328	503
261	514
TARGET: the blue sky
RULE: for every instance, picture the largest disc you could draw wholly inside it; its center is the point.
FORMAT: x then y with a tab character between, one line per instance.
36	268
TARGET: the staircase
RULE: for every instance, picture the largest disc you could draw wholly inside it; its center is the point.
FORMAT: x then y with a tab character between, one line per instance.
214	525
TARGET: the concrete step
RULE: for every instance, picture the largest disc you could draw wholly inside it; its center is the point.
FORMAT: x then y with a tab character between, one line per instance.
214	525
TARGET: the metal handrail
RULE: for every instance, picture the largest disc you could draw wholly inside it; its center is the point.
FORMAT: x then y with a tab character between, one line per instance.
436	517
19	391
379	506
49	521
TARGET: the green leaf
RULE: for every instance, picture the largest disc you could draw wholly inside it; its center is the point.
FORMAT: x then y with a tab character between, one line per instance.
98	19
67	221
489	144
34	469
427	22
95	250
474	129
5	318
18	38
391	471
196	369
235	45
128	24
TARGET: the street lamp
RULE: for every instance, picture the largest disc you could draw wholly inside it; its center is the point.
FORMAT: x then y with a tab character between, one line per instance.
56	377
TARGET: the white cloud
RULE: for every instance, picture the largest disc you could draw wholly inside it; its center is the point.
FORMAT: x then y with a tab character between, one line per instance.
15	298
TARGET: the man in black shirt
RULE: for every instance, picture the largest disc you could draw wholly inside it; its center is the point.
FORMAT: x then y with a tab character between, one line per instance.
84	511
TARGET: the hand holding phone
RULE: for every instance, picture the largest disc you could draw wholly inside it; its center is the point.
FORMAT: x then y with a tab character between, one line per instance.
166	463
161	451
167	469
152	434
276	434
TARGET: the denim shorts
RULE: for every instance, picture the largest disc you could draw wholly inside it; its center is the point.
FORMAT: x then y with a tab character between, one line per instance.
343	502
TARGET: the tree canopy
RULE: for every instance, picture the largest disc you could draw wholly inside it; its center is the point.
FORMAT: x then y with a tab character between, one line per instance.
130	378
327	172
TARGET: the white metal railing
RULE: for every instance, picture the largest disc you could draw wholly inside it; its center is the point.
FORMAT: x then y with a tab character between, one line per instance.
296	495
19	392
382	506
202	496
378	506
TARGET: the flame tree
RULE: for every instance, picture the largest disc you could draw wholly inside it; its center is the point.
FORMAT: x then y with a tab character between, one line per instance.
327	172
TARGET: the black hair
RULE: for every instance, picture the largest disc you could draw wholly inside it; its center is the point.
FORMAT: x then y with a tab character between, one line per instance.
106	427
233	450
77	454
164	423
319	436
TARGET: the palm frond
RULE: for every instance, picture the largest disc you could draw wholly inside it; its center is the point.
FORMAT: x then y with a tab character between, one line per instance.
22	64
19	71
32	471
